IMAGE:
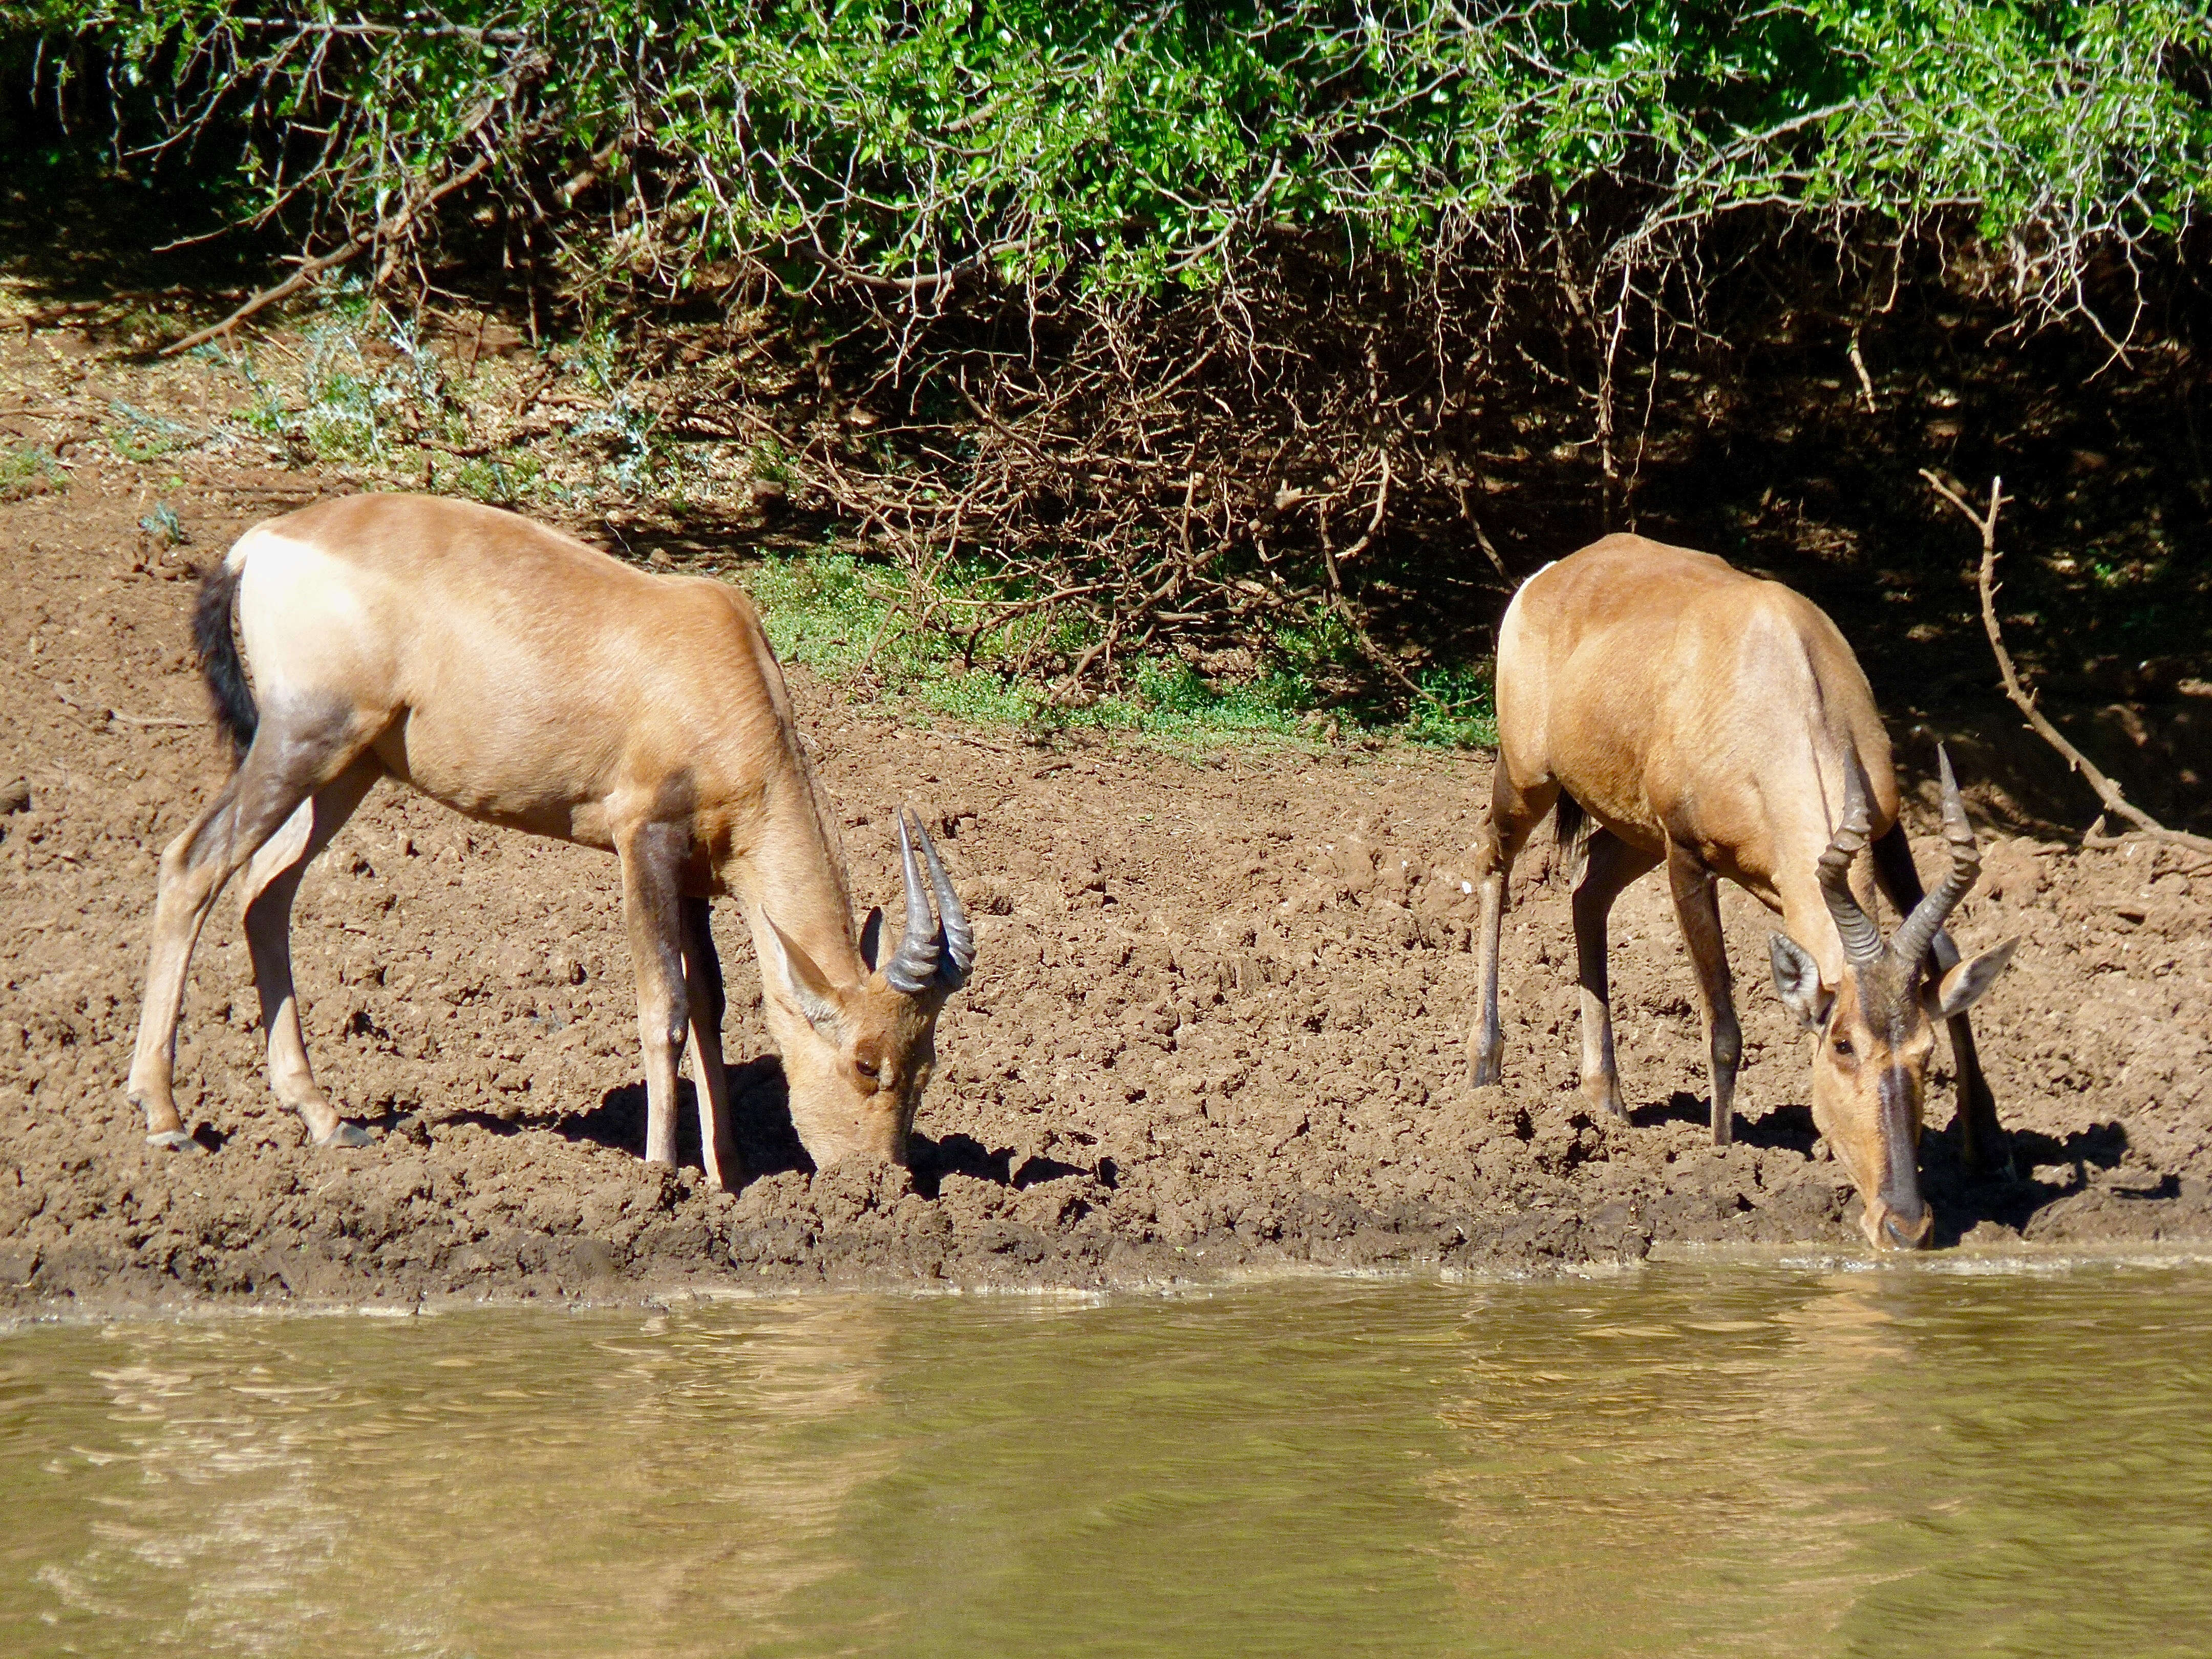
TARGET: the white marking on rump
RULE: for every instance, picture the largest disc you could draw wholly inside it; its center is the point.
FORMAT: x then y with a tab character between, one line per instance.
300	612
1521	693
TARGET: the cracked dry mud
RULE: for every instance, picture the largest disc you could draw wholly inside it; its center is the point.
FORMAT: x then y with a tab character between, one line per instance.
1217	1024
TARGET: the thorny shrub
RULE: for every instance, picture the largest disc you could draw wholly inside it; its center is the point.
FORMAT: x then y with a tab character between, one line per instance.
1186	324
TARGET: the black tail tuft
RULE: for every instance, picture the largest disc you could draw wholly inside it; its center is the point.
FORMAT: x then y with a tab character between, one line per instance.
1570	825
228	691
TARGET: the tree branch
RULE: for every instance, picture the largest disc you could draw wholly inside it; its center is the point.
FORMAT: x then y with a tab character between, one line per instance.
311	269
2107	791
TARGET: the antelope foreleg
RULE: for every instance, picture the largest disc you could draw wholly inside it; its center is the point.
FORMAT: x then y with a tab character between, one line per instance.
1982	1143
652	856
1697	905
703	975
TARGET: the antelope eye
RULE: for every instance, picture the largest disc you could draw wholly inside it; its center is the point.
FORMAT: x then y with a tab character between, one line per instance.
866	1067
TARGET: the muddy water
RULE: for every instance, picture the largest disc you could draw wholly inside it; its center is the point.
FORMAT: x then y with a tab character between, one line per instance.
1743	1460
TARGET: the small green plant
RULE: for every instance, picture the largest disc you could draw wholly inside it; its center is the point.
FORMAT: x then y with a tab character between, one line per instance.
27	471
1457	707
495	480
340	418
137	435
770	463
632	440
163	524
347	406
266	417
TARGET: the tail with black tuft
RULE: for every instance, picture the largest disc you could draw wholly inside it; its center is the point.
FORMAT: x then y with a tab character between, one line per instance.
1570	825
228	691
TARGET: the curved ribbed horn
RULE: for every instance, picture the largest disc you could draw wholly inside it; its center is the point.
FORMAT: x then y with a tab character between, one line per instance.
914	965
952	929
1861	938
1912	941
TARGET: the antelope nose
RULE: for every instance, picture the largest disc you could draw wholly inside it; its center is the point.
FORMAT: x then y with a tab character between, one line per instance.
1908	1232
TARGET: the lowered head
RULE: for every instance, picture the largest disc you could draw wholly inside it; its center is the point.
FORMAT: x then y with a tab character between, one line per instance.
1875	1023
858	1053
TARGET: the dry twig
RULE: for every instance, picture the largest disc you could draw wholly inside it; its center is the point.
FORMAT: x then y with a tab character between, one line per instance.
2107	791
309	270
102	711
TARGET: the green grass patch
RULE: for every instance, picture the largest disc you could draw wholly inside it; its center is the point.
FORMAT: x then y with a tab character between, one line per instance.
850	621
1457	707
495	480
134	434
28	469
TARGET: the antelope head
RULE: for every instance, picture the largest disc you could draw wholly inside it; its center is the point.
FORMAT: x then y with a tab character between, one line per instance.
860	1055
1876	1024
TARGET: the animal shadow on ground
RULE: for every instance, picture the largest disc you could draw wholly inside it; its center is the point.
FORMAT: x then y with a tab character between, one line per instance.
1782	1127
767	1144
1963	1199
760	1121
931	1161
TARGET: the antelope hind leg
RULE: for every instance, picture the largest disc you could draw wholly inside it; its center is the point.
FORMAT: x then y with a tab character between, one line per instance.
270	882
278	773
1514	812
189	879
1696	906
1613	863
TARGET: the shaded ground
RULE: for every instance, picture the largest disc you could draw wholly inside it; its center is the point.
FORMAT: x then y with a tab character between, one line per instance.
1217	1024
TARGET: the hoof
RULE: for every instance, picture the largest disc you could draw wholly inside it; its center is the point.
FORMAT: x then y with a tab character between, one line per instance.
346	1134
175	1140
1608	1109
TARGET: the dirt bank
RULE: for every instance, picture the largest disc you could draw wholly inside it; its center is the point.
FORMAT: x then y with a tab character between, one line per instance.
1217	1023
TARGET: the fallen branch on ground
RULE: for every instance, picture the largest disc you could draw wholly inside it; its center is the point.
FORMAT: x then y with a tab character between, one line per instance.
104	712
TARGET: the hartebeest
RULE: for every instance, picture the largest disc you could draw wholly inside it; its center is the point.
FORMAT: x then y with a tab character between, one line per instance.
1679	711
526	679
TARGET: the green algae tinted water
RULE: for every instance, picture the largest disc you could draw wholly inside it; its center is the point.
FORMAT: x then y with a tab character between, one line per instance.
1744	1459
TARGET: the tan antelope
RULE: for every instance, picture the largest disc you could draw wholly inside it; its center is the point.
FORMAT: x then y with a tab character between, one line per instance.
1692	716
524	679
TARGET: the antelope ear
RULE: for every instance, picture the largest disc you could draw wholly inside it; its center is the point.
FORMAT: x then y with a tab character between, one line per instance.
810	987
872	938
1797	979
1962	987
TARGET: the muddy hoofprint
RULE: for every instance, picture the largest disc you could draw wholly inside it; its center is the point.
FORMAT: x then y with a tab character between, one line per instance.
1218	1024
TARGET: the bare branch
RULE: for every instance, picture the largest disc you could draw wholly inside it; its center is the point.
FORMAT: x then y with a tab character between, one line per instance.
309	270
2107	791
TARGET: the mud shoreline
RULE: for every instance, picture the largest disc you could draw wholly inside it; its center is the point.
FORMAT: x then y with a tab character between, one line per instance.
1216	1028
1182	1278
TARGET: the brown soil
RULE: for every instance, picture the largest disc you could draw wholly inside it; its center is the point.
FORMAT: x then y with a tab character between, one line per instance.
1217	1024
